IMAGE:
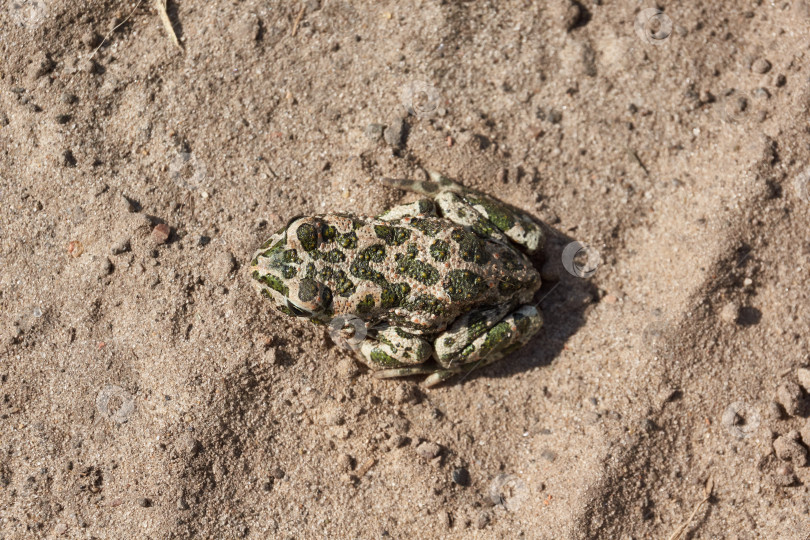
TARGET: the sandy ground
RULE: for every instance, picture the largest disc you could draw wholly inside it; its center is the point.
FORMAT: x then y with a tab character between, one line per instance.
147	392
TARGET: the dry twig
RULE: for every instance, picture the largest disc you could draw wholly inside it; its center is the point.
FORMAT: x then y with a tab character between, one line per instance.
298	19
707	494
160	5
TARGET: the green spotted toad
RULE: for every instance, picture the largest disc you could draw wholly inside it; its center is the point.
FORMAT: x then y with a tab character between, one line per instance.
438	284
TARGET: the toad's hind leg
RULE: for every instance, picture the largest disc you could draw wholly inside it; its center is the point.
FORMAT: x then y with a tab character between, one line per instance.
483	348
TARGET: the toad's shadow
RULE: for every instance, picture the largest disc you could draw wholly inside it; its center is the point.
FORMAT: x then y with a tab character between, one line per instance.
562	303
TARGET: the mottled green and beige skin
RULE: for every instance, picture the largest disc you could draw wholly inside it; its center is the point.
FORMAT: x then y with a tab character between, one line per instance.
439	283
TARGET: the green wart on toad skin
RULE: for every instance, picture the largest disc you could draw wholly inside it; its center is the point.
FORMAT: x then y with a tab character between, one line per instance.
440	283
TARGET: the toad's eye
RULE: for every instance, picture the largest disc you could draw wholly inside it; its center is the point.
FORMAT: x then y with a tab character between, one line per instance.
309	297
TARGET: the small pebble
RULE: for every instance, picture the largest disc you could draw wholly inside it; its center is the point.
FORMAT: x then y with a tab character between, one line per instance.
428	450
374	132
345	462
395	441
730	312
347	368
41	65
773	411
105	267
554	116
805	432
222	265
144	502
788	448
160	234
89	66
761	66
75	248
395	133
125	204
762	93
404	393
347	478
68	159
445	520
706	96
780	80
120	246
277	473
803	374
571	16
3	119
461	476
62	118
789	395
91	39
548	455
784	475
68	98
482	520
188	445
334	417
591	417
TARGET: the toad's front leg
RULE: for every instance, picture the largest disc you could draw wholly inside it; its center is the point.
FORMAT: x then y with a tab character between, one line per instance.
390	348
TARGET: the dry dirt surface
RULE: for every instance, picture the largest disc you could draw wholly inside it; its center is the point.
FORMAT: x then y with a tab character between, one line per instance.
146	391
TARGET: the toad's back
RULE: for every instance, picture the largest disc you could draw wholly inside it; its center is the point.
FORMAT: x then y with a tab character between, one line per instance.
420	273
